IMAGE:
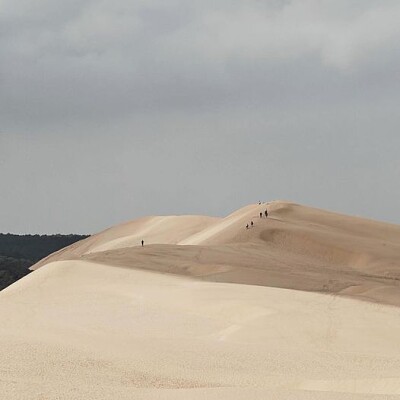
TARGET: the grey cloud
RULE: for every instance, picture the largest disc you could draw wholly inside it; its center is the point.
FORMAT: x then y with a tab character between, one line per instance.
114	109
83	59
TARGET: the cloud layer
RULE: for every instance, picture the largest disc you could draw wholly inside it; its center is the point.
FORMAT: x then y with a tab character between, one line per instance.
161	102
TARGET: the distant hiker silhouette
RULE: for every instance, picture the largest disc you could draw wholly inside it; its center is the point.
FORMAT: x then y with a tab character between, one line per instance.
142	243
252	223
266	213
260	215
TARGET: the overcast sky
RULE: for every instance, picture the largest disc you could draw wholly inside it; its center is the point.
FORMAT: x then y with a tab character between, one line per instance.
115	109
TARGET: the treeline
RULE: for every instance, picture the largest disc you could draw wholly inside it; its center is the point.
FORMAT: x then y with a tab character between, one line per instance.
12	269
19	252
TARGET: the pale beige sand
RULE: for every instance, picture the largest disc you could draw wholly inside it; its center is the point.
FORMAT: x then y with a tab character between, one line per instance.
110	323
161	229
82	330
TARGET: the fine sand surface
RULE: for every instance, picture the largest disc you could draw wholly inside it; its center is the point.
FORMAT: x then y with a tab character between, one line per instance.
207	310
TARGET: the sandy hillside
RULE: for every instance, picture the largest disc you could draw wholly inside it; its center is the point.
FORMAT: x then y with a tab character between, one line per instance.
297	247
207	310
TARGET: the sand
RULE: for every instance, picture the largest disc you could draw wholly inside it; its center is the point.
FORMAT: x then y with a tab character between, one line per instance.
297	247
301	306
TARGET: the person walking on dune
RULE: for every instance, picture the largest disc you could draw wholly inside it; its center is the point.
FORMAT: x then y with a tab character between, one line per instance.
142	242
266	213
247	226
251	223
261	215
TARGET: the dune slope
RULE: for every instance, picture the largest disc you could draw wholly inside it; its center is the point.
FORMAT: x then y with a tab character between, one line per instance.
77	329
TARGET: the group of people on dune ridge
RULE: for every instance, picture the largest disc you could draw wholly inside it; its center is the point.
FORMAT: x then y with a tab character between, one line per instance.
261	215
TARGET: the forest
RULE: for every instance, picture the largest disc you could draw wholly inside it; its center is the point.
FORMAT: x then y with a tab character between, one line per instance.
19	252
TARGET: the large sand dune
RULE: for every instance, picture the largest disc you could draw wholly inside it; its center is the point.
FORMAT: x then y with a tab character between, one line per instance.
297	247
206	309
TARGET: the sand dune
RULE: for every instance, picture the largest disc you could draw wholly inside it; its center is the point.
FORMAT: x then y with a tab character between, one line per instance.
297	247
116	332
207	310
162	229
